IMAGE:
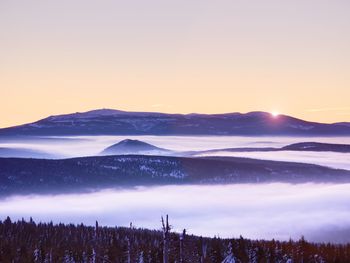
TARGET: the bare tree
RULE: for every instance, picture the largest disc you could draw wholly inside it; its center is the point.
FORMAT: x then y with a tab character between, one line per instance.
128	252
203	252
95	243
166	231
182	237
96	230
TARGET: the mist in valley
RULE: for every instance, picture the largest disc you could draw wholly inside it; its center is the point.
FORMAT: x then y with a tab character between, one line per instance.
320	212
78	146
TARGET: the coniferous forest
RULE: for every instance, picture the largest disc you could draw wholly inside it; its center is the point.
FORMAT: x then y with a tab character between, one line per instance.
23	241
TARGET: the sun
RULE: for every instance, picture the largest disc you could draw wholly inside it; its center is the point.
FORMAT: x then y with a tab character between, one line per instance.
274	114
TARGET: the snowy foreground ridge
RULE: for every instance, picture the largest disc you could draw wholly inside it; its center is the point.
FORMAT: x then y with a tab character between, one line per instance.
23	241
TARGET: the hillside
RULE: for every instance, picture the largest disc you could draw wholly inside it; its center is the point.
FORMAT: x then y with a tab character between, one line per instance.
114	122
300	147
318	147
22	176
24	153
128	146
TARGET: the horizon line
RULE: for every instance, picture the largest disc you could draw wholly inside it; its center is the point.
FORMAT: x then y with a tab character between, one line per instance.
272	113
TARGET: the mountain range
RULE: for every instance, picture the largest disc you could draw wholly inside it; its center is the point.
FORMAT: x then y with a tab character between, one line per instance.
137	147
27	176
115	122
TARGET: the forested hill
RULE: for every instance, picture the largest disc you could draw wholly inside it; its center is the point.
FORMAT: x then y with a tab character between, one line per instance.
30	242
21	176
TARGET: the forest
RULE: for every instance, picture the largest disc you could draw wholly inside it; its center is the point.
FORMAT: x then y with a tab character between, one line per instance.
32	176
28	241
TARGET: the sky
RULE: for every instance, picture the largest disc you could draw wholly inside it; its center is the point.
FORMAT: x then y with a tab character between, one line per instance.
180	56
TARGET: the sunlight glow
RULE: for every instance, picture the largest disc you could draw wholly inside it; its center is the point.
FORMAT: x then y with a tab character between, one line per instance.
274	114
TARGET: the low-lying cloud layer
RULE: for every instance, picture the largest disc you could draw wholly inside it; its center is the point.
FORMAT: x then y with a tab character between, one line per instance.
320	212
75	146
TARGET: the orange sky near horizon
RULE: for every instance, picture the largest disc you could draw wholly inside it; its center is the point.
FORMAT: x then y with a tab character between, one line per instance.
204	56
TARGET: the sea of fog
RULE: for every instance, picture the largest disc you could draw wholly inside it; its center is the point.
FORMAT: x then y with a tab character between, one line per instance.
75	146
320	212
91	145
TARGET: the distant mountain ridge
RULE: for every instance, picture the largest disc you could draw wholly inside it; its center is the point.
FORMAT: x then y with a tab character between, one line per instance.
317	147
301	147
129	146
27	176
24	153
115	122
347	124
